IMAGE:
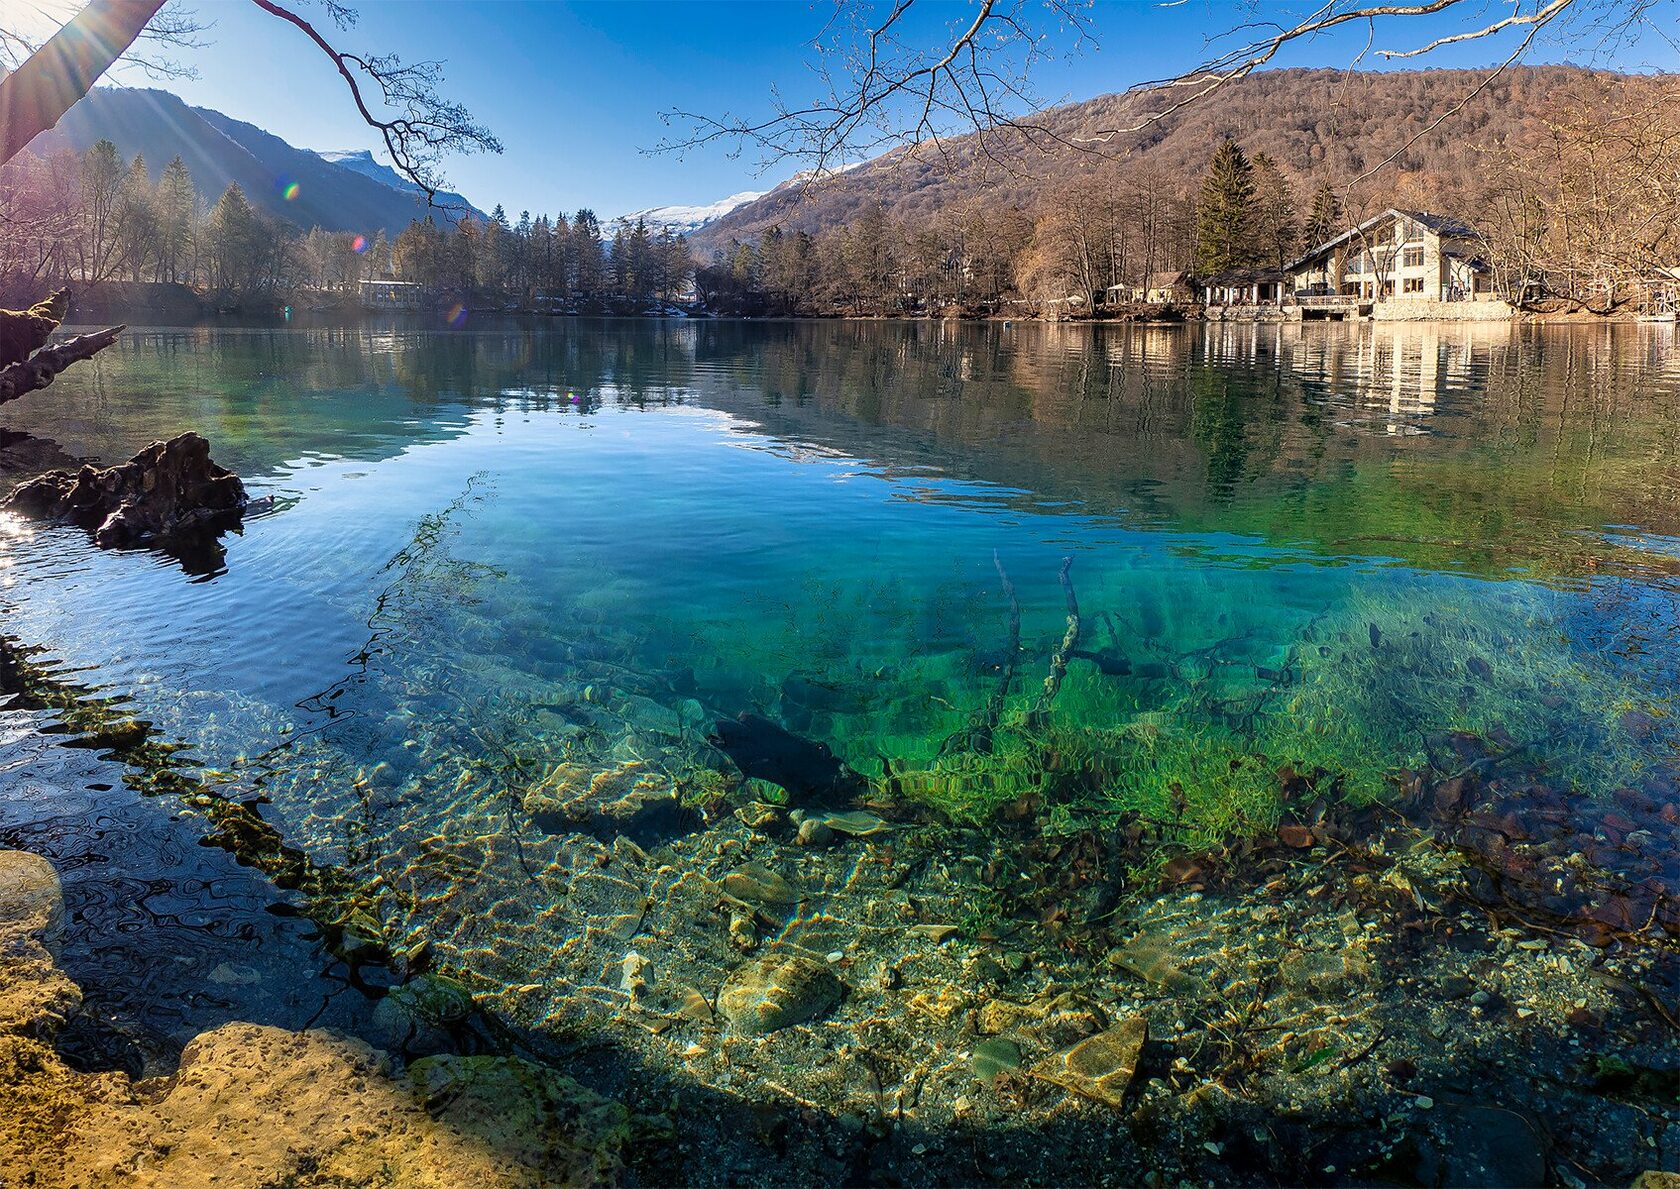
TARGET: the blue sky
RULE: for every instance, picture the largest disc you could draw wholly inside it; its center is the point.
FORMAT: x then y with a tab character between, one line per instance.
575	90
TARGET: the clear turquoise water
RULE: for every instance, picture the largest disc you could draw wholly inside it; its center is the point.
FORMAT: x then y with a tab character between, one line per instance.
498	551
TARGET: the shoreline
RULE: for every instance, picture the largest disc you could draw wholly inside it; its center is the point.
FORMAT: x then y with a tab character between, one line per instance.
110	301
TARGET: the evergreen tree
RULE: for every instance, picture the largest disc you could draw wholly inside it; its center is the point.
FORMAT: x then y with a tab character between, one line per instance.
235	244
136	219
1324	221
638	265
589	260
1277	228
1225	213
174	205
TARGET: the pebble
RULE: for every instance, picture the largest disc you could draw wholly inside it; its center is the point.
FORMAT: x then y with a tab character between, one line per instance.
813	832
1423	1102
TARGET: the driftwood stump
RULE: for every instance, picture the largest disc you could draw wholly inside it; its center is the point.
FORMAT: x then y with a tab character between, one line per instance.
26	362
170	493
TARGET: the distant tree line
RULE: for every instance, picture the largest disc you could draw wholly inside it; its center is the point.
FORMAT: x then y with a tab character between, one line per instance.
556	263
1577	205
96	218
1114	225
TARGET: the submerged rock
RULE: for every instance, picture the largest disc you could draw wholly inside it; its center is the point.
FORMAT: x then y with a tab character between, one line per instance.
170	493
253	1106
993	1056
421	1015
1150	958
624	801
778	990
807	769
1101	1067
30	896
757	884
36	999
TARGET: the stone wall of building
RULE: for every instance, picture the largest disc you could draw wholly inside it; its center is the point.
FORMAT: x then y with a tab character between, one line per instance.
1417	310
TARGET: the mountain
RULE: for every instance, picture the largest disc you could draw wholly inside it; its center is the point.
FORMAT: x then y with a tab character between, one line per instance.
333	191
362	161
1319	125
685	220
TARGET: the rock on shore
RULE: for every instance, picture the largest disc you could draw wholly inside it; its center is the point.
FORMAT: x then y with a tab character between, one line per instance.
252	1105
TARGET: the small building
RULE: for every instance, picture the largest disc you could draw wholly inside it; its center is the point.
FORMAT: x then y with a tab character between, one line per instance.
390	295
1170	288
1246	287
1659	292
1394	256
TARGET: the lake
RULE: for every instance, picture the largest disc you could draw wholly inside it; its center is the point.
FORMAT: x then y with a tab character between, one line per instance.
967	665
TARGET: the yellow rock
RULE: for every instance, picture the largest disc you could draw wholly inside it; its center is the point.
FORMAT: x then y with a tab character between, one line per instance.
940	1006
1102	1066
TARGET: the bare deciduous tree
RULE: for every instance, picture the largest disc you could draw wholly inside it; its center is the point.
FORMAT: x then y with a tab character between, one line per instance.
419	127
1586	205
878	89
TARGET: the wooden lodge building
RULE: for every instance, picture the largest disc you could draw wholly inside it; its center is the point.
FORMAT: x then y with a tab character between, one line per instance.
1397	265
1396	256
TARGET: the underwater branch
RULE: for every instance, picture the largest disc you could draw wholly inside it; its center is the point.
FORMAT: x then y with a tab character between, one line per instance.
1070	641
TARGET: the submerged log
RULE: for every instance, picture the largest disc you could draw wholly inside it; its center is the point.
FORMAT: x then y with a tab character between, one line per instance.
170	493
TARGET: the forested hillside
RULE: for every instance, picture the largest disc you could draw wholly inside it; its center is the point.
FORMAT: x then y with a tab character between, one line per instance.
1570	177
1317	125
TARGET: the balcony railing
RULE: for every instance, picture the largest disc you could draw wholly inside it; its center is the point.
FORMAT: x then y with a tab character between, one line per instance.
1328	301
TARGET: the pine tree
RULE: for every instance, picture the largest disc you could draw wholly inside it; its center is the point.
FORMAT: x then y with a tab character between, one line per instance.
174	206
1324	221
638	262
136	219
589	260
1225	213
234	244
1277	228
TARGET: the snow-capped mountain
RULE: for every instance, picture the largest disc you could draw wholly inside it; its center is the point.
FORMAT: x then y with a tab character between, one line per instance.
685	220
362	161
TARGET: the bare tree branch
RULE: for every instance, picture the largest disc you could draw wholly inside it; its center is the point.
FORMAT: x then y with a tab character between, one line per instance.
419	129
426	127
173	28
879	92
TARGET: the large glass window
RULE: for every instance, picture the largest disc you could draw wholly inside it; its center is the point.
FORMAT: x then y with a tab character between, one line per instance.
1414	256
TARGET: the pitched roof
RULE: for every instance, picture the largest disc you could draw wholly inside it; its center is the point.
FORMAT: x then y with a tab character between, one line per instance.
1440	224
1244	276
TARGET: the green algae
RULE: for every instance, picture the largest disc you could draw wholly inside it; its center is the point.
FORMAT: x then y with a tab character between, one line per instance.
1364	695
